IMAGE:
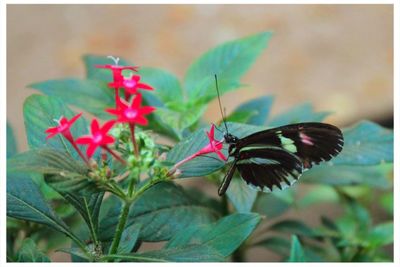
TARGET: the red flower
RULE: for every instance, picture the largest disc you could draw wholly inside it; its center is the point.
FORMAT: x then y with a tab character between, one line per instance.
214	146
131	85
117	71
63	128
131	113
99	137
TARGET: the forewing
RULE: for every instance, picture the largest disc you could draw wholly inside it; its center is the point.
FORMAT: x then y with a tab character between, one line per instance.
266	168
311	142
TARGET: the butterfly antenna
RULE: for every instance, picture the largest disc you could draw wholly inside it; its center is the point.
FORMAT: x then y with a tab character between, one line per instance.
219	101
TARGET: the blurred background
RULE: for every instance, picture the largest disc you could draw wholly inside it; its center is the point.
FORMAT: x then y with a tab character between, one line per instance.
337	57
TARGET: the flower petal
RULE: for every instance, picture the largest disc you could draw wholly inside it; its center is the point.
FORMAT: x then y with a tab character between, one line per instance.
94	126
74	118
136	101
90	150
107	126
147	110
141	120
84	140
145	86
108	140
220	155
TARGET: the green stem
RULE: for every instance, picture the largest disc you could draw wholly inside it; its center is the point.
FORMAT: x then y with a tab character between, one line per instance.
132	182
120	227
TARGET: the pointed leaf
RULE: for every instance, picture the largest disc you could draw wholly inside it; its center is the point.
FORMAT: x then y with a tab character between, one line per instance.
296	251
25	202
366	143
258	108
128	239
241	195
229	61
225	235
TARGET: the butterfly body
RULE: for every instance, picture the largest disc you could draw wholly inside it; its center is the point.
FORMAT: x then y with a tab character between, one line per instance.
277	157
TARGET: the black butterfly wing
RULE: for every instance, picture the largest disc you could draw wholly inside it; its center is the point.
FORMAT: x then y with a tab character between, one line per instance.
264	168
312	142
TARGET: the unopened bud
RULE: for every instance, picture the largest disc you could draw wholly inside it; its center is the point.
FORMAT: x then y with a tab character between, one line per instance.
93	164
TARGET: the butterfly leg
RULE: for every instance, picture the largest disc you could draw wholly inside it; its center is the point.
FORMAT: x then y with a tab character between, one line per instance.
227	179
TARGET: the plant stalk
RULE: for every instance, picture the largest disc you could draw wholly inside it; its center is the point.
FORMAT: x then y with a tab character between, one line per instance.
120	227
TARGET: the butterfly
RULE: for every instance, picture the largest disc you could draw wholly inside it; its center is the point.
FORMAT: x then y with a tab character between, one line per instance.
276	158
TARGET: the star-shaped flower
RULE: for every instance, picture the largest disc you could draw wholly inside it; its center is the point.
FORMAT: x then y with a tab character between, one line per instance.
63	128
131	85
131	113
98	137
214	146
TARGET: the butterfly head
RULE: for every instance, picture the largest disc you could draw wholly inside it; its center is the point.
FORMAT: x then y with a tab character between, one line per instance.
230	139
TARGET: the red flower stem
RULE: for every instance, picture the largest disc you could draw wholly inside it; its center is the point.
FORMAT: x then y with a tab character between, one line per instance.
80	153
177	165
106	148
135	145
116	97
126	95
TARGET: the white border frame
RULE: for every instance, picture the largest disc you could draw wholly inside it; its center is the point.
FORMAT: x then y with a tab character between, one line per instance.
396	94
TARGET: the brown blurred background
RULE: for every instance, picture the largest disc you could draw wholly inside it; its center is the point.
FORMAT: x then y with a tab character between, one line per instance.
338	57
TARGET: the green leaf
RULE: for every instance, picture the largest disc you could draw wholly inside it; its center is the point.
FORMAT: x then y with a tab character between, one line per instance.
61	171
190	253
296	251
11	142
366	143
292	227
376	176
224	236
301	113
318	195
258	109
90	95
30	253
163	210
230	61
276	244
166	86
274	204
39	114
381	235
180	120
88	206
25	202
241	195
128	239
201	166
